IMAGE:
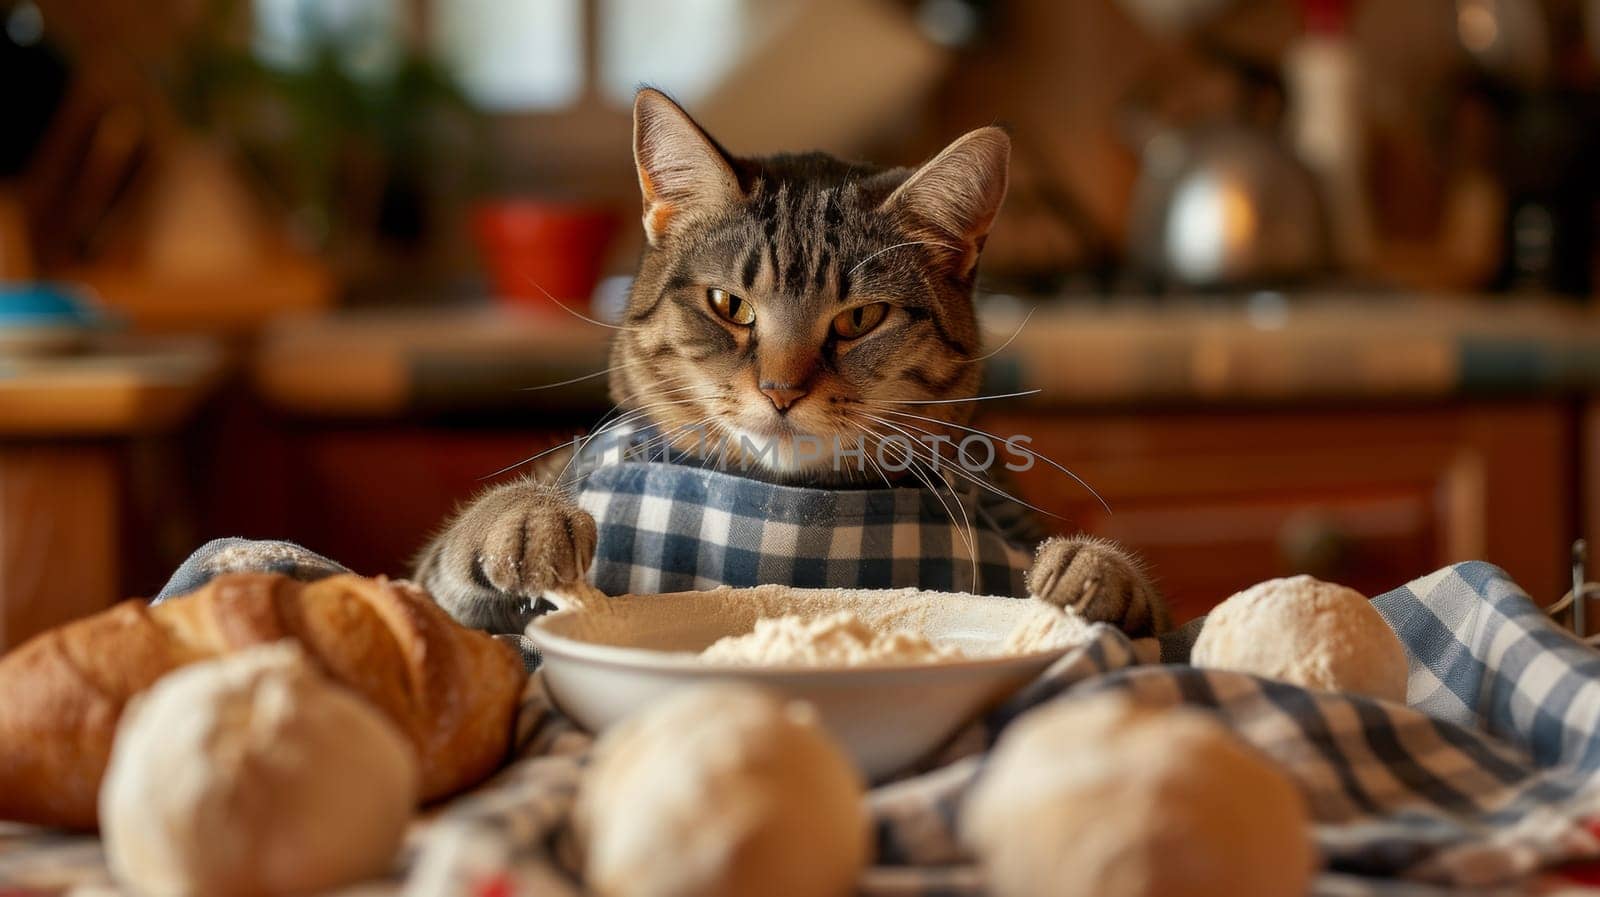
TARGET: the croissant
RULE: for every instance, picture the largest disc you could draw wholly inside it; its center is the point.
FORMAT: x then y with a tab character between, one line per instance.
453	691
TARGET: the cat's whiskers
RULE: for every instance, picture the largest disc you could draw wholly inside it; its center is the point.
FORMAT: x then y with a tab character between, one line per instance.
1001	348
675	385
536	456
964	527
722	452
973	478
624	418
866	456
618	411
901	246
528	460
642	452
557	447
629	453
574	312
634	415
1009	395
602	373
665	440
873	462
908	452
1009	444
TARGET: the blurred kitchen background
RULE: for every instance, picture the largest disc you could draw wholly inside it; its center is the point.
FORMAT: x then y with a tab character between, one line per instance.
1311	280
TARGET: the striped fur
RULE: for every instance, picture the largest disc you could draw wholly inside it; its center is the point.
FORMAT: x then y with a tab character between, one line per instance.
802	239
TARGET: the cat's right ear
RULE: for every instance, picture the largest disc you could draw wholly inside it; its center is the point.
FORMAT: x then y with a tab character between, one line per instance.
958	193
682	171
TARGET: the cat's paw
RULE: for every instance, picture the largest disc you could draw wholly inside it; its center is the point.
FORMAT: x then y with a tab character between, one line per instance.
538	547
506	550
1101	581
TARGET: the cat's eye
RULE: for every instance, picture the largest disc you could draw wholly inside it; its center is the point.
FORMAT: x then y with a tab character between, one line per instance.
732	308
857	321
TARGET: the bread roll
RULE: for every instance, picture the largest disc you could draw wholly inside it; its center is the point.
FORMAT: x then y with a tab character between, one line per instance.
253	775
453	691
721	791
1307	632
1100	798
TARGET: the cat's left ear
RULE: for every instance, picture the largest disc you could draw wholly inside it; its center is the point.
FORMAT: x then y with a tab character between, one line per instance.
958	192
682	171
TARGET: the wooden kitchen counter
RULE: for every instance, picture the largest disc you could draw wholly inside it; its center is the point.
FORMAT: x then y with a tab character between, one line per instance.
121	386
1078	354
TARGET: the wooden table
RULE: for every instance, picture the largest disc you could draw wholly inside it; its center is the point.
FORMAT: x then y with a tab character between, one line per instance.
67	426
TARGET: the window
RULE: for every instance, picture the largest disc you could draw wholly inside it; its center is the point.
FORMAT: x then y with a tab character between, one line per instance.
513	55
528	55
682	47
365	33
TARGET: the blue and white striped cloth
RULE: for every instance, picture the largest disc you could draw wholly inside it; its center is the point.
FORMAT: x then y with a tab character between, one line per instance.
1487	777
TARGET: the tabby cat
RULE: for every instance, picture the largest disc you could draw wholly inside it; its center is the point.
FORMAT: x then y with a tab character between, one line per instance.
776	298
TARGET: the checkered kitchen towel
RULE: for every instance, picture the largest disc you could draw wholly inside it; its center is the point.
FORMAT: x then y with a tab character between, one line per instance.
671	523
1490	774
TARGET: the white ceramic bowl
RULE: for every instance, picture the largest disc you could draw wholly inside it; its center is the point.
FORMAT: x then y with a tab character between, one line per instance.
602	664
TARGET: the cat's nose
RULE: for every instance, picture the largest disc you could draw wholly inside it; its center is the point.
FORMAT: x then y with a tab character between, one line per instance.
782	394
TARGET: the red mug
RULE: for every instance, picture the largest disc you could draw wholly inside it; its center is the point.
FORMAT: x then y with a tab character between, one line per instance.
536	250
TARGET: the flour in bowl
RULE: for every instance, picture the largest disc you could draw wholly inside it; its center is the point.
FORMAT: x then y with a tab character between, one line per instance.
838	639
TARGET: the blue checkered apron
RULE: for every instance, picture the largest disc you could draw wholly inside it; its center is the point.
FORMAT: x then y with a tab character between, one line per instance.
672	523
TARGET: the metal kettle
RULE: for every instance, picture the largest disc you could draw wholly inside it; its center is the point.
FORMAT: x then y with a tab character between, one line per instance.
1223	207
1225	203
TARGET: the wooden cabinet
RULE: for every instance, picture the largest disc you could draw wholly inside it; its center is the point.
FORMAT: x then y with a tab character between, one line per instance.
369	497
59	531
1218	500
85	483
